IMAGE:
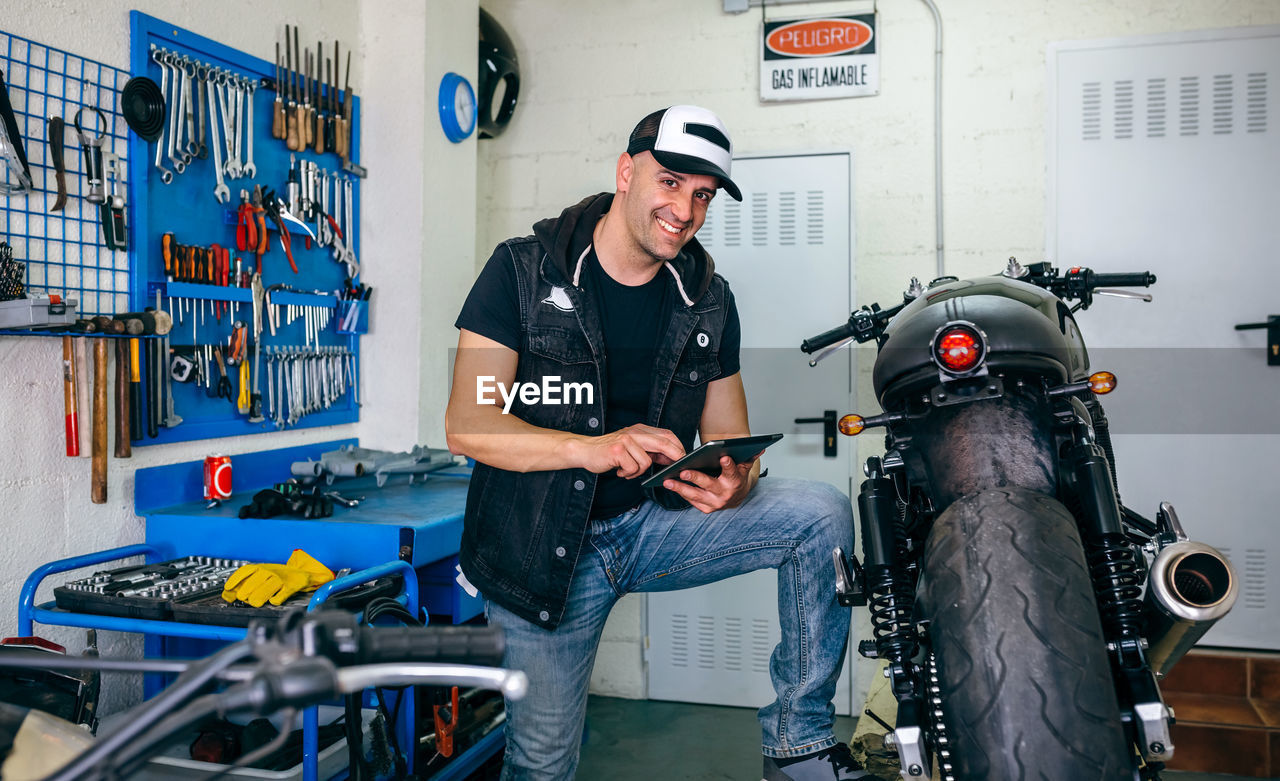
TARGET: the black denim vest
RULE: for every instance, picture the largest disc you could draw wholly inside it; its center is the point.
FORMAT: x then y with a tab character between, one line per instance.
523	532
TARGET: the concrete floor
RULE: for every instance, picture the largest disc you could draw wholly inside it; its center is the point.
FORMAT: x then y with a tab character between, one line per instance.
640	740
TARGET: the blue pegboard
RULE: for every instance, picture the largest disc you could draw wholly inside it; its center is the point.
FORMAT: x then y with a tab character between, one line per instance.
63	250
187	208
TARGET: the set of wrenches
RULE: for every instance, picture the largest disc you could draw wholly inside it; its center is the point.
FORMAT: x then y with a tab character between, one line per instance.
315	319
301	381
209	110
309	197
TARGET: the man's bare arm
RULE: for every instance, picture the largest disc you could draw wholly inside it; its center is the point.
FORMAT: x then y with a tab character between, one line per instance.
483	432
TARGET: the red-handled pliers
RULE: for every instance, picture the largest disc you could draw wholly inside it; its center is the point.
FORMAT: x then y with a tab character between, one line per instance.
246	229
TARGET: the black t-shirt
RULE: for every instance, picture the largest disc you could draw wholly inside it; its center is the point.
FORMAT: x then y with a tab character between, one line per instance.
634	319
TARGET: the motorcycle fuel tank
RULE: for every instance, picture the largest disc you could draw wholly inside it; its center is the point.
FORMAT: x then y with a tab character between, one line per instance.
1027	330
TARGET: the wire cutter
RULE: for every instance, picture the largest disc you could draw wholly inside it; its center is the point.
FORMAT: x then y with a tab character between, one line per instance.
276	210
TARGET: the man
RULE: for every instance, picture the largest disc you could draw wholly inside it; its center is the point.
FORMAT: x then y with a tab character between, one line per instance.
588	353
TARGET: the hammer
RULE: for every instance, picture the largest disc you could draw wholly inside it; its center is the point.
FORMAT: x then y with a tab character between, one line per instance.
98	474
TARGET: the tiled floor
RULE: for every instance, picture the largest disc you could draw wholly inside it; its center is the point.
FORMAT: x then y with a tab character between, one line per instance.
642	740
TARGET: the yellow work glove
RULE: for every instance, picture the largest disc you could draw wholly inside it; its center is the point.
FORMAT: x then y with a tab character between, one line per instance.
258	584
317	573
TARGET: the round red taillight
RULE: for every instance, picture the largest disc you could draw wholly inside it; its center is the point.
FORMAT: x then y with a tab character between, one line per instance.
958	349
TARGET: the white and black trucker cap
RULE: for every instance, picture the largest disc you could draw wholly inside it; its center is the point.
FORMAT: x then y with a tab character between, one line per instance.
687	140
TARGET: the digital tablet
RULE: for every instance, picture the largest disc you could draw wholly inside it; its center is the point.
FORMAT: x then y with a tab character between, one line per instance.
707	457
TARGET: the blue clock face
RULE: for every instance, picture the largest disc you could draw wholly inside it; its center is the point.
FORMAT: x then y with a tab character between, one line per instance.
457	106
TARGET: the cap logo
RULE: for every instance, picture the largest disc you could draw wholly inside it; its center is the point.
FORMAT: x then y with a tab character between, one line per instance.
708	133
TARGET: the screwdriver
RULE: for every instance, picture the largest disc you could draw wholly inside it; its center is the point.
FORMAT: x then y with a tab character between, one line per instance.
277	118
300	138
166	244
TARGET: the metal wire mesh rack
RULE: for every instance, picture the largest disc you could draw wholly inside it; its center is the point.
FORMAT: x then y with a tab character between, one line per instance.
63	250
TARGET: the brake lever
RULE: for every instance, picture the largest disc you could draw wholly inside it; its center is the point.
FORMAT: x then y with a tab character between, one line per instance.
1111	291
826	351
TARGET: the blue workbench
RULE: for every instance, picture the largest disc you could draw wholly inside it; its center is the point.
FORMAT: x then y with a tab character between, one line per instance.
401	527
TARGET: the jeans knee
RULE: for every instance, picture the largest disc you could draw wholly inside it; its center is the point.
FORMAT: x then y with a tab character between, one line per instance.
832	512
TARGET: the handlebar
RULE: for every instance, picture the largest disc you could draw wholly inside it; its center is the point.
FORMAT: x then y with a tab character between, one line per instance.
1075	284
826	338
303	659
1134	279
864	325
448	644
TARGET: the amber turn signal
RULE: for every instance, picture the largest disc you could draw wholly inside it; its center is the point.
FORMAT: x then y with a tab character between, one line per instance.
1102	383
852	425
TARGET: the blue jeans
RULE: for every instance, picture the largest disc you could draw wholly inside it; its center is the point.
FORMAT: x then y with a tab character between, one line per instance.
788	525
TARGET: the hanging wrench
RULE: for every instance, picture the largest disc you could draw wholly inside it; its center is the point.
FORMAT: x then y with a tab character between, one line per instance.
250	170
166	175
220	191
202	76
175	106
228	124
238	121
349	258
188	74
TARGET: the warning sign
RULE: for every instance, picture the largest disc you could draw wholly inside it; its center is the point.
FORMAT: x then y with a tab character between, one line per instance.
831	57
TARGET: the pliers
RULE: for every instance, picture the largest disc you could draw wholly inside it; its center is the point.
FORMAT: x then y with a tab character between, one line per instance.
246	226
276	211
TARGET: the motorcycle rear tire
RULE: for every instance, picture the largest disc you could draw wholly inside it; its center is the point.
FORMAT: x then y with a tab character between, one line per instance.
1026	688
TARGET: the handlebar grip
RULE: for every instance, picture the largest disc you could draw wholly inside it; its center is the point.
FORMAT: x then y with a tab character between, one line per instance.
448	644
1133	279
815	343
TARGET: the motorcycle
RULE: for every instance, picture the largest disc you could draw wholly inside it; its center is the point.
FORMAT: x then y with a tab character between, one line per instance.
1004	577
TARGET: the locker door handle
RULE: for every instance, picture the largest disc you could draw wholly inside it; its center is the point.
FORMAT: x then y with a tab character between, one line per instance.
828	421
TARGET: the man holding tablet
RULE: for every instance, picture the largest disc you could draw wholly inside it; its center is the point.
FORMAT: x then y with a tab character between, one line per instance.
590	355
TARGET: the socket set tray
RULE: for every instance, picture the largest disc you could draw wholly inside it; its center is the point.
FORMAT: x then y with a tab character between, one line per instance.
189	589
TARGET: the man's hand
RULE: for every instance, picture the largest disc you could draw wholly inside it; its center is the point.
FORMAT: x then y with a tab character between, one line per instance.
708	493
631	450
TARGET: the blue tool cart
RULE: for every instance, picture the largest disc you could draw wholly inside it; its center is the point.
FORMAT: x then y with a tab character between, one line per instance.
411	529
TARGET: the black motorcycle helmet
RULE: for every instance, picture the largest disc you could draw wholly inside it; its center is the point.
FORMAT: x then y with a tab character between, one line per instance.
499	82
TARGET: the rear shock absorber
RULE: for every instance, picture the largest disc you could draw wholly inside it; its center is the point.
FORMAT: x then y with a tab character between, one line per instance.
891	596
1113	565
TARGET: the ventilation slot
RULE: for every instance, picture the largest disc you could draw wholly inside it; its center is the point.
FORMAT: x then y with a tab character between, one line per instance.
732	648
761	645
707	233
1124	109
1189	106
1223	103
1256	103
733	224
787	219
1255	579
680	640
1156	108
1092	97
816	209
759	219
707	642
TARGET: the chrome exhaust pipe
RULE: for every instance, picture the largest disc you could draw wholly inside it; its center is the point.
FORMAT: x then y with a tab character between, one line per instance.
1190	586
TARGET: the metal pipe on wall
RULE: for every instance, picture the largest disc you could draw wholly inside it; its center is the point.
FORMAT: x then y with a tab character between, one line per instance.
937	132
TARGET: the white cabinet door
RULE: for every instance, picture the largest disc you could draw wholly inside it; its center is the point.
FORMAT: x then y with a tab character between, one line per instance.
787	252
1163	156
